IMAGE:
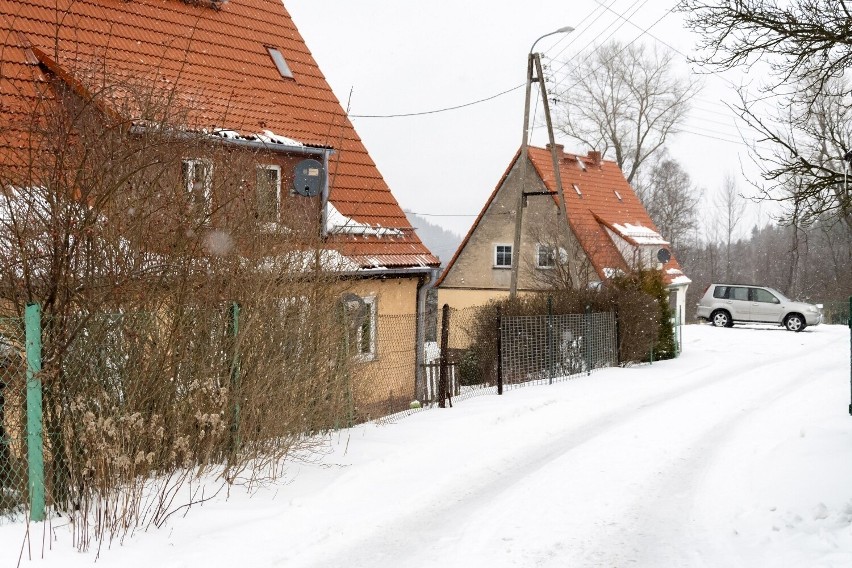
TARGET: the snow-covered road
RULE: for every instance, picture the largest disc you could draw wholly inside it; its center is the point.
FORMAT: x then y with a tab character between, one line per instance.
739	453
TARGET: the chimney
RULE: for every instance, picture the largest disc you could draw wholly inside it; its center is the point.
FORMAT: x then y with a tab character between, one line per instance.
595	157
560	149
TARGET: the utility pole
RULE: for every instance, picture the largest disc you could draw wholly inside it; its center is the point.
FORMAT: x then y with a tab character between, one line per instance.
533	66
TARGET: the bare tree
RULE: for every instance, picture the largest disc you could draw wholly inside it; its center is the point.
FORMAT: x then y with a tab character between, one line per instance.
807	46
624	100
731	207
804	41
671	199
182	334
801	158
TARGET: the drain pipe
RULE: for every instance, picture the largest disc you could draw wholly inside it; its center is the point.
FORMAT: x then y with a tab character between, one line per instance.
426	283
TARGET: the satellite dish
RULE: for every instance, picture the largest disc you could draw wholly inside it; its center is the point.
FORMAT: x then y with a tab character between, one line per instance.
308	178
663	255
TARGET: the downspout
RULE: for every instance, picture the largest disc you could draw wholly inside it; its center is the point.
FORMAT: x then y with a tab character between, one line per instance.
425	283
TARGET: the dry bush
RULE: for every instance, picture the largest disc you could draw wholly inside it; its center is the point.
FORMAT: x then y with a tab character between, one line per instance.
151	376
639	300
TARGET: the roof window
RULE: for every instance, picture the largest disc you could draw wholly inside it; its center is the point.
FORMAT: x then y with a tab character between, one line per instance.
581	164
280	62
618	195
577	189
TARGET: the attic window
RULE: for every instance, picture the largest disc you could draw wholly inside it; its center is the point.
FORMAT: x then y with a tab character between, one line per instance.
618	195
582	166
280	62
577	189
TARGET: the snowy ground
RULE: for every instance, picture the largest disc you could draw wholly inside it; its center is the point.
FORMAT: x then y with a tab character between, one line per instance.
737	454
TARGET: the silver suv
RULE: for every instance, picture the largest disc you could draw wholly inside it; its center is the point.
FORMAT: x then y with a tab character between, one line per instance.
723	305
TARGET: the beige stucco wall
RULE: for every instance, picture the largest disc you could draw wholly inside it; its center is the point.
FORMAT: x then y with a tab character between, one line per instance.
473	279
386	382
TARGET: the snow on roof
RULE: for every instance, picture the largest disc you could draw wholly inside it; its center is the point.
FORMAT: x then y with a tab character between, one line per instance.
303	261
639	234
339	224
267	137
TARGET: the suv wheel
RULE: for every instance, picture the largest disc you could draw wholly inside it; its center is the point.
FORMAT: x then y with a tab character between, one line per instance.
721	318
794	322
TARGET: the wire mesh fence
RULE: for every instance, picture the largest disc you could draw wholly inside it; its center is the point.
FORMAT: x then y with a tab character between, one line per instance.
128	396
549	348
13	449
384	376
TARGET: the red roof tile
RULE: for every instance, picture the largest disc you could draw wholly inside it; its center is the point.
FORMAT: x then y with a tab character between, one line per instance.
218	61
605	200
596	208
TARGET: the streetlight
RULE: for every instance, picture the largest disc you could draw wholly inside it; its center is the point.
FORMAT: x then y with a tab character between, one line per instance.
534	60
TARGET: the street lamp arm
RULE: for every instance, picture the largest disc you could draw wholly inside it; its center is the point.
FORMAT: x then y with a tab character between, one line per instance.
564	30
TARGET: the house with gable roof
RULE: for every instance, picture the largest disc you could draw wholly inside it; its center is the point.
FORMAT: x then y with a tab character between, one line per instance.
244	78
607	232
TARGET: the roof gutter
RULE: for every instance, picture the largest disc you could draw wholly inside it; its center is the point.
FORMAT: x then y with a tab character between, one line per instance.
428	270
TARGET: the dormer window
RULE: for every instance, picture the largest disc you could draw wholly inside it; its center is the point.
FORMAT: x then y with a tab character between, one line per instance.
280	62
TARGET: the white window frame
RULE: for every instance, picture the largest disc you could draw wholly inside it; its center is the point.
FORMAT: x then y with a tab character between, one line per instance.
368	354
539	248
264	168
191	164
511	252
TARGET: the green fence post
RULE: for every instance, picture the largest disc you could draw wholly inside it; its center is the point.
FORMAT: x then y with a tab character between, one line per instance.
35	442
234	331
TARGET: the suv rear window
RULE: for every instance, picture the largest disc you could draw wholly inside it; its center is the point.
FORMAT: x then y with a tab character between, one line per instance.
731	293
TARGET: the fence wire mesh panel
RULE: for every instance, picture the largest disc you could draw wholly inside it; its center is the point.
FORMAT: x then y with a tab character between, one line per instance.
385	356
126	394
549	348
471	366
13	447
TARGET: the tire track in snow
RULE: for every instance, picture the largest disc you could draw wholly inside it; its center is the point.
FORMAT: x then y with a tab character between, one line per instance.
436	532
668	512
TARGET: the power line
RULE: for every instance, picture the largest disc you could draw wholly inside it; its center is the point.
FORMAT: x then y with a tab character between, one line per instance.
435	111
492	97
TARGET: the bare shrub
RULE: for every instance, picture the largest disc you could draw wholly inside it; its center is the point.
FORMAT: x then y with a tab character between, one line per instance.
182	335
639	300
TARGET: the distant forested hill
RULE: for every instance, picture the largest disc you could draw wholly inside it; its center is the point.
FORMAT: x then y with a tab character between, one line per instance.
441	242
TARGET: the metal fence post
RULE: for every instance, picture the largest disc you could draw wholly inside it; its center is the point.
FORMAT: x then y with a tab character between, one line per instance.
234	331
499	351
849	321
548	354
35	441
587	326
445	336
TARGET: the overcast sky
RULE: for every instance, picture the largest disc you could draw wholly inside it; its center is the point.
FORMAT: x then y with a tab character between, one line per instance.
387	57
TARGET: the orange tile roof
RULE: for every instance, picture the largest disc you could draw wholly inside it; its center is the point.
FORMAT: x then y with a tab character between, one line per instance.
589	215
597	207
223	74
